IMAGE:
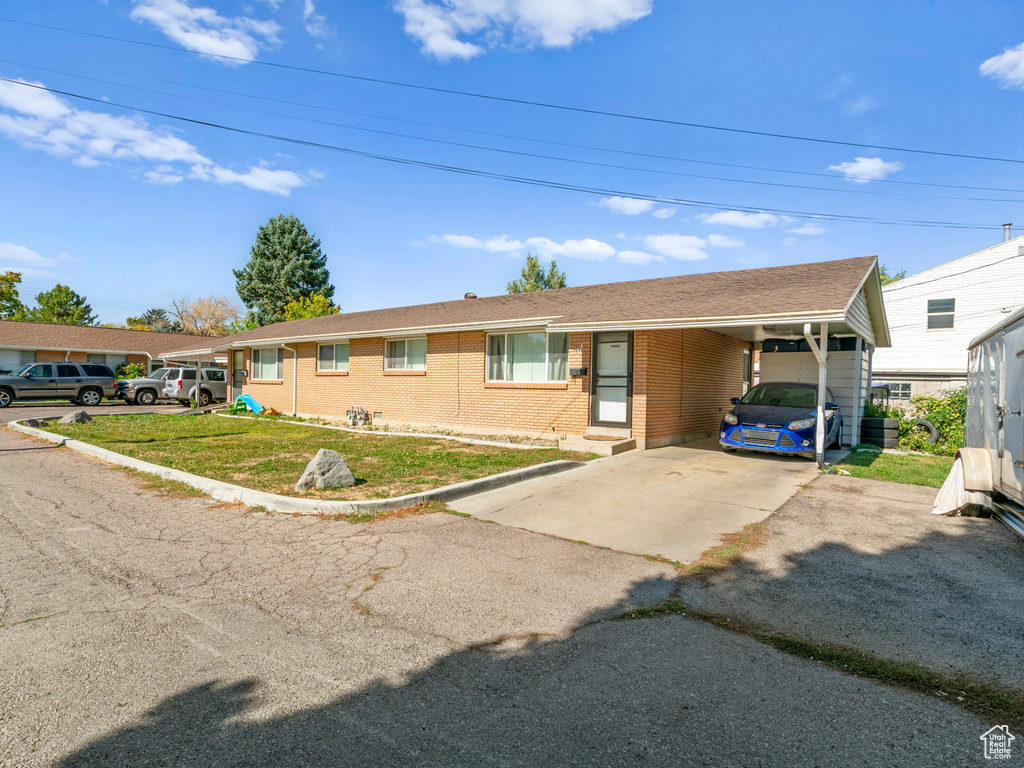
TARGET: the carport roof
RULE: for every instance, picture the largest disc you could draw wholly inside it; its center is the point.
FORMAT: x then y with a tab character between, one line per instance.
796	293
18	334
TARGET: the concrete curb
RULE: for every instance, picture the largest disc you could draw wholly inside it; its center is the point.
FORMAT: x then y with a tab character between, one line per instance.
456	438
273	501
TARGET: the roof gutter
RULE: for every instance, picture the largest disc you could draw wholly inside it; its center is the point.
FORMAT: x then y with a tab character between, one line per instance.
828	316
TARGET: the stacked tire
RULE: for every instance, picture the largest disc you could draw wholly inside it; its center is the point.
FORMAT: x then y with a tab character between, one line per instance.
885	433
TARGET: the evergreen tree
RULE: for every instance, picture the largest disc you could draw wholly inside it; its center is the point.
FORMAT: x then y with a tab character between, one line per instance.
285	265
10	303
60	305
886	278
534	278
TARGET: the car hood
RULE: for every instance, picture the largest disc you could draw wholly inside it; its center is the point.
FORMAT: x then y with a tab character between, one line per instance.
142	381
12	380
770	414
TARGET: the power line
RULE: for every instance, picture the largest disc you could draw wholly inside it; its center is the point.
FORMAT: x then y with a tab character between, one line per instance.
463	129
508	177
522	102
947	277
520	153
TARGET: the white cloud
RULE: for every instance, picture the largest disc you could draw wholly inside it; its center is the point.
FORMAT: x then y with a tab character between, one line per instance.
1007	67
724	241
865	169
37	119
30	264
681	247
808	229
858	106
203	30
740	219
664	213
440	25
316	24
629	206
589	249
637	257
495	244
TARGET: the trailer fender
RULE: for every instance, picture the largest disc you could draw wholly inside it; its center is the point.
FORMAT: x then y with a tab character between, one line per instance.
977	464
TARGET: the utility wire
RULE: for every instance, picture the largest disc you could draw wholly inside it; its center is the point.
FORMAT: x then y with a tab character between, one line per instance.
947	277
520	153
523	102
830	176
508	177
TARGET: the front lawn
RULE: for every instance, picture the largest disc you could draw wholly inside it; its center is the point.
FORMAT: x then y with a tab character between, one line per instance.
271	456
898	468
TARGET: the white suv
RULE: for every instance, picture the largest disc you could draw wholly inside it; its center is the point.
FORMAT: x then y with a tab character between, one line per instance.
180	385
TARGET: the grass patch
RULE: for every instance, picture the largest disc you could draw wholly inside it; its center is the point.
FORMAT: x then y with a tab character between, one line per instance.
930	471
725	554
270	455
23	621
174	489
664	608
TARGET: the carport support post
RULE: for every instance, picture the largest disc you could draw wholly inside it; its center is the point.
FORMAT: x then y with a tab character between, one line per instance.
821	353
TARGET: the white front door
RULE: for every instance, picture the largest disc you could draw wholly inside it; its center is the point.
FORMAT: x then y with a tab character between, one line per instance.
612	380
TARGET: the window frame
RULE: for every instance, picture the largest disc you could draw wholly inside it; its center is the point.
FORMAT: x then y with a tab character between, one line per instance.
504	359
930	313
405	356
334	358
258	352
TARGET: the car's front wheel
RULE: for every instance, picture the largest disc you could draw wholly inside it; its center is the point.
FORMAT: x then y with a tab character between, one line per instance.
145	397
90	397
6	398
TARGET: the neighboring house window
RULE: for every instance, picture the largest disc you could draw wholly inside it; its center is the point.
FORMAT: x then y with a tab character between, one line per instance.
332	357
10	359
268	364
940	313
528	357
111	361
406	355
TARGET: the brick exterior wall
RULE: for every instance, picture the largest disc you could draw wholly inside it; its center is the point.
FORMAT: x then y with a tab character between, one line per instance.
451	393
682	382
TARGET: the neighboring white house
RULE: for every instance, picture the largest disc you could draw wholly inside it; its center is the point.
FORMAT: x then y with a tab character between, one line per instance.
935	314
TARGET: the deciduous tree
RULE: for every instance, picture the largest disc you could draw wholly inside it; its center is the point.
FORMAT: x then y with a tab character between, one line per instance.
883	273
59	305
206	316
285	265
316	305
10	303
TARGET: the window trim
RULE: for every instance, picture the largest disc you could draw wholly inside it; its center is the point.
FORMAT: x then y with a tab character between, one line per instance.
504	366
406	369
279	352
929	314
335	344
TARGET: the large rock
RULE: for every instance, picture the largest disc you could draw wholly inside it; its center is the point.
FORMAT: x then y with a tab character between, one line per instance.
76	417
38	423
327	470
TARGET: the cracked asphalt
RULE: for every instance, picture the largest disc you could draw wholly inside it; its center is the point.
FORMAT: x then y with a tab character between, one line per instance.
146	630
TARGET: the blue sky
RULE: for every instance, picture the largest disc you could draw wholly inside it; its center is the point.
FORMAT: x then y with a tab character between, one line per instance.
133	209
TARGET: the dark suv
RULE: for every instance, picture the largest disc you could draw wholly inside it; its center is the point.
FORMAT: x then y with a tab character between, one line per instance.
81	383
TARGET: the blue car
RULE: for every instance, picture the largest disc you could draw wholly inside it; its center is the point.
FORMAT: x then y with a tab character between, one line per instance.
779	417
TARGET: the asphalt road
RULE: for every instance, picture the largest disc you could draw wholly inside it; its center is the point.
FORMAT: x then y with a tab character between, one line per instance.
45	410
151	631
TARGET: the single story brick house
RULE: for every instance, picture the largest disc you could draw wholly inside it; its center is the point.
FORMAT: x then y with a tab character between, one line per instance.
24	342
652	360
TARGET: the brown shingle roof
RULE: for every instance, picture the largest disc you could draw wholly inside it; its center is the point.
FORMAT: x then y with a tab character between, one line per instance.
25	335
798	289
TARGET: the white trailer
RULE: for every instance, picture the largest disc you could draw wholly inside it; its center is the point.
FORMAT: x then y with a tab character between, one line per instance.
993	459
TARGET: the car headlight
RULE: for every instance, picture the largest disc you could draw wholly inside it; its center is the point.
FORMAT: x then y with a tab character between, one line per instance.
730	418
799	424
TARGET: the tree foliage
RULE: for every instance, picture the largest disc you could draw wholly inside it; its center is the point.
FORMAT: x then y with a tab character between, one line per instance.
205	316
883	273
285	265
316	305
130	371
534	278
155	319
59	305
10	303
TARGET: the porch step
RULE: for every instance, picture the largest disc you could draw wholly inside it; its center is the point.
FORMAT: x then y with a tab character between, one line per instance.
622	432
600	447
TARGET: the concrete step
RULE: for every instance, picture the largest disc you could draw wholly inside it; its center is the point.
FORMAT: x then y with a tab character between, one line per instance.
600	447
622	432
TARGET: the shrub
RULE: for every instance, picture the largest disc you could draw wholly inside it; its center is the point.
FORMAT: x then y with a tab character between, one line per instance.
947	410
130	371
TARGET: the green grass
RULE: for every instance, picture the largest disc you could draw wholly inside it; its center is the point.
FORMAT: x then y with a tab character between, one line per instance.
895	468
271	455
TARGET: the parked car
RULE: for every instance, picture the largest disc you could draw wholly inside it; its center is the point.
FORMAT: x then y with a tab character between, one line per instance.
780	417
81	383
143	390
179	384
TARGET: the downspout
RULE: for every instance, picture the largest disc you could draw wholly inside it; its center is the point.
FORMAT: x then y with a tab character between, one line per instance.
821	354
67	355
295	378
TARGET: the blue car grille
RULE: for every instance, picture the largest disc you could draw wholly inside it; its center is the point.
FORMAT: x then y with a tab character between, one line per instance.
786	442
760	437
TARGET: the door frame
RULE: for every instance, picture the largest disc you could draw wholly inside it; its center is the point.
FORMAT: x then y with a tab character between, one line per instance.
628	424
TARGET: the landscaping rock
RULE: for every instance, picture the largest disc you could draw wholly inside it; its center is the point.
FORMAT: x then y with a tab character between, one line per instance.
76	417
37	423
328	469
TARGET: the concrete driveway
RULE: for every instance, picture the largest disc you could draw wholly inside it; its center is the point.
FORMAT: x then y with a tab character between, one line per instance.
675	502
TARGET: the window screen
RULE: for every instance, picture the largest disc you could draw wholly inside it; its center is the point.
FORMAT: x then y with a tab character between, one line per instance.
941	313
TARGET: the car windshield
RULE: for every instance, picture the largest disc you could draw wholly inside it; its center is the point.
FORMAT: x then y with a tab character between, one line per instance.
159	373
788	396
21	370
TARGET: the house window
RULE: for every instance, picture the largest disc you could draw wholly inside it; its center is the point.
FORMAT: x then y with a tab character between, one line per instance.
11	359
899	391
406	355
111	361
332	357
528	357
268	364
940	313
